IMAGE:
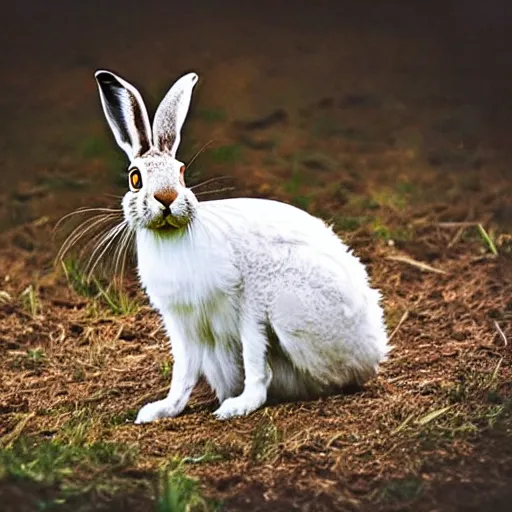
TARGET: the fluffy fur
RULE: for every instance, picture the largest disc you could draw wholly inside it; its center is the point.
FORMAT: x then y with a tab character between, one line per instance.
259	297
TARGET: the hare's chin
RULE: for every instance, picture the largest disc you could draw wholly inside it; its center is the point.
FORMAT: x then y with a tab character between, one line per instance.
166	224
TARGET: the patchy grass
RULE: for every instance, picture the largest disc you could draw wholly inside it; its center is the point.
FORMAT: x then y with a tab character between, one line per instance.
165	370
228	154
78	280
265	439
67	472
36	356
117	301
349	223
396	198
81	427
208	453
483	384
302	202
387	232
101	148
30	300
123	418
293	185
112	296
62	182
33	360
361	203
210	115
488	240
177	492
95	147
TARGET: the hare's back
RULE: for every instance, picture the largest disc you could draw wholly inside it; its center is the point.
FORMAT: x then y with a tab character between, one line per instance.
270	232
248	214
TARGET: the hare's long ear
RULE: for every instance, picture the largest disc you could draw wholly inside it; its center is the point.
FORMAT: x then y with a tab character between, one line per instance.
171	113
125	112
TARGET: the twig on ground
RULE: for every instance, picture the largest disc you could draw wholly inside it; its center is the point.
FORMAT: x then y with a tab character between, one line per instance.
402	425
465	224
415	263
494	373
432	415
501	333
401	321
396	379
456	237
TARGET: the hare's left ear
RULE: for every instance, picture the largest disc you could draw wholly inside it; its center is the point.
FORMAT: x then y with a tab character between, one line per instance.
171	113
125	112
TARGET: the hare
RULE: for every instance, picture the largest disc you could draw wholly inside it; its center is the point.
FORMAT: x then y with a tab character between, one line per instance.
257	296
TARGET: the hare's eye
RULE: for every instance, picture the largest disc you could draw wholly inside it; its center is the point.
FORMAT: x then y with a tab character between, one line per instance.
135	179
183	169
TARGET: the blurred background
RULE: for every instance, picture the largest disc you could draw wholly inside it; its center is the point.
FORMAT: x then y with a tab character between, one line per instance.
353	98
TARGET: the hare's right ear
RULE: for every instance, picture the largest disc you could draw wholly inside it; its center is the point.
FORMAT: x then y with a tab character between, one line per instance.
125	113
171	113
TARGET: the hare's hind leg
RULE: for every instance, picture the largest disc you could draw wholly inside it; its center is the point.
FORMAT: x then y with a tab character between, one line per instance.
289	383
325	340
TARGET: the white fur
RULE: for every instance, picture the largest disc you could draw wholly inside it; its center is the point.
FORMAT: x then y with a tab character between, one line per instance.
258	296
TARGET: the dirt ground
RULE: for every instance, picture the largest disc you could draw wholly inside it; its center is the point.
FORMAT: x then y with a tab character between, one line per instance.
391	123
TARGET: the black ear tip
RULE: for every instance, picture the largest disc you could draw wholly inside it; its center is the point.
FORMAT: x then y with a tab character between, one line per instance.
105	77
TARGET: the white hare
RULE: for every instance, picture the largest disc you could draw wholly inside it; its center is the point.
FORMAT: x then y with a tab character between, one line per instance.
258	296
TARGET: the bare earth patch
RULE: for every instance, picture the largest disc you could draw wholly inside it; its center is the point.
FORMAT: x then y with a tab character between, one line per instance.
433	430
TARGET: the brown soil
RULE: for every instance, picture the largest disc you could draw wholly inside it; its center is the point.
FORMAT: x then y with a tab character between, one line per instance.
391	124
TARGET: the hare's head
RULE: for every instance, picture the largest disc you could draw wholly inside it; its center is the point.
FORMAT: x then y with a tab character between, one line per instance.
157	197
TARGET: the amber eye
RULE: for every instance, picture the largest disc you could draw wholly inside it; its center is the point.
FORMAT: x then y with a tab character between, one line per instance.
183	168
135	179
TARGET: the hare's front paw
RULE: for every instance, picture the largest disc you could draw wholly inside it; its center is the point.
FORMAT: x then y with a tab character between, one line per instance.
156	410
241	405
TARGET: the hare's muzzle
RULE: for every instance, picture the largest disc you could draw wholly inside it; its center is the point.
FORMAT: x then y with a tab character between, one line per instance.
166	197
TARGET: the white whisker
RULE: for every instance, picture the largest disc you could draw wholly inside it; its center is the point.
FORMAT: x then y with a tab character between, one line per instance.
199	152
216	191
92	242
211	180
128	247
87	210
120	254
80	231
103	247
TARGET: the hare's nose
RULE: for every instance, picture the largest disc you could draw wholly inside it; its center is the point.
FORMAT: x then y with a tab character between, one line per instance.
166	197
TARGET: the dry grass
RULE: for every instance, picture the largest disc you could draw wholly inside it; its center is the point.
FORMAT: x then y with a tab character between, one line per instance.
74	375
